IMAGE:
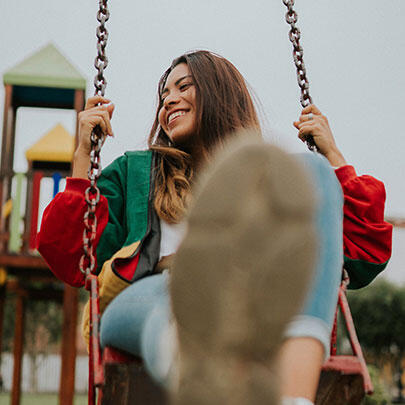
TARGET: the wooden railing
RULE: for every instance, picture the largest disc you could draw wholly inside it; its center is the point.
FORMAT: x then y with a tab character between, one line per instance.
20	212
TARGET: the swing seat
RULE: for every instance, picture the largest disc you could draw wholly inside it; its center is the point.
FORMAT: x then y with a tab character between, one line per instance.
127	382
341	382
344	379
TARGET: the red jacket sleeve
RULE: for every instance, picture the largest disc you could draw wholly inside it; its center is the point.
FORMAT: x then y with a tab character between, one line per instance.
60	239
367	238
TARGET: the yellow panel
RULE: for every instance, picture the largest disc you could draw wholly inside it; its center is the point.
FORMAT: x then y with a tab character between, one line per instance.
6	209
55	146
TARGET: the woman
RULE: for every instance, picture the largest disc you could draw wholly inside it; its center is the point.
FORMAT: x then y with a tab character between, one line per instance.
203	99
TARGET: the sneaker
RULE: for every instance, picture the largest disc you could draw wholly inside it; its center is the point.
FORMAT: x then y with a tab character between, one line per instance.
241	273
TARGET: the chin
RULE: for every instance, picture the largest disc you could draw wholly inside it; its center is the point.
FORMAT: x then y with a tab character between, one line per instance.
181	139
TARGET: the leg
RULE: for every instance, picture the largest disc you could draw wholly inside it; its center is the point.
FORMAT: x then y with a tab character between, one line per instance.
307	346
251	246
124	319
300	361
138	321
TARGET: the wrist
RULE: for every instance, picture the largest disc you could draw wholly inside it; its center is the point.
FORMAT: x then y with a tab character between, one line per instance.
81	153
81	163
336	159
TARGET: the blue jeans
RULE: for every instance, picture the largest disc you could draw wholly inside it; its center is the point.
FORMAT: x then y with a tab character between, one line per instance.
317	316
135	320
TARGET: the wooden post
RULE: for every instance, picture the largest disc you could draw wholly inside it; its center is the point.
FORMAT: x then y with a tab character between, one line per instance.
18	347
8	139
28	208
67	381
78	106
3	280
35	208
14	242
7	158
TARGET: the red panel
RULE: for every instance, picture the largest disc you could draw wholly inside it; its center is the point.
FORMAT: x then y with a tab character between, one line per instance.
348	364
343	364
35	208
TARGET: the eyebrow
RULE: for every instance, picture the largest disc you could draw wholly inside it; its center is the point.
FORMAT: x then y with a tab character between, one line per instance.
176	83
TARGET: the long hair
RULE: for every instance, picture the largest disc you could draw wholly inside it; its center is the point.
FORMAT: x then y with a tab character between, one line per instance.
223	105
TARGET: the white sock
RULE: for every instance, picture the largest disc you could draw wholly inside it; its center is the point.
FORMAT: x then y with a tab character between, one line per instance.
167	351
296	401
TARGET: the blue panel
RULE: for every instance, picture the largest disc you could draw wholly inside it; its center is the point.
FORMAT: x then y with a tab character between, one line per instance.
56	180
26	96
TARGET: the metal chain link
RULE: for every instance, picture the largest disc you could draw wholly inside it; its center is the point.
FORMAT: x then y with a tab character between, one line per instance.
92	194
298	53
101	61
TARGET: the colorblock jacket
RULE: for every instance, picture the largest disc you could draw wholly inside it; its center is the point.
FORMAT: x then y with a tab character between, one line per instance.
128	233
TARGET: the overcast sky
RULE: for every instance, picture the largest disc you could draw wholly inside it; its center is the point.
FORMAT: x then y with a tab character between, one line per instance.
353	50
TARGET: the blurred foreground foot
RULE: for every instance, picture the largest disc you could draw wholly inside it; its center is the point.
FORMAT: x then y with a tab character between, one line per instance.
241	274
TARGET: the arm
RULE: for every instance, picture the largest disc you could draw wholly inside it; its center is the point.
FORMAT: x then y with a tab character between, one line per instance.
367	237
60	240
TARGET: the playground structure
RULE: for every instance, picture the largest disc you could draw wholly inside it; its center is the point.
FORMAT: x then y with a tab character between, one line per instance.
44	80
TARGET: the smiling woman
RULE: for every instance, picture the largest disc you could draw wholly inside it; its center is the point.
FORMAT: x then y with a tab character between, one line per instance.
202	100
218	92
247	248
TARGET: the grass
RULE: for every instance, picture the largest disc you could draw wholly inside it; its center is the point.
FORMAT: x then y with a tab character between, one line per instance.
40	399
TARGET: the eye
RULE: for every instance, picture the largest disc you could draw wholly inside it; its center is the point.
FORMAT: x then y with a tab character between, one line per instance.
185	86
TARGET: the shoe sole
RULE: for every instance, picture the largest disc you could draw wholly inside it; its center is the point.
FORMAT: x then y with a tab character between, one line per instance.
241	274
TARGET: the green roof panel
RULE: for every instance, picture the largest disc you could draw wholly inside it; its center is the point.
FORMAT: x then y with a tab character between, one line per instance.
46	68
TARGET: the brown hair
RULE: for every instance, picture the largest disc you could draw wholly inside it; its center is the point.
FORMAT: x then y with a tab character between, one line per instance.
223	105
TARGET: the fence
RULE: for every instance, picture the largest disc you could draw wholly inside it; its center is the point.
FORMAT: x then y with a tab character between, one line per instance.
47	373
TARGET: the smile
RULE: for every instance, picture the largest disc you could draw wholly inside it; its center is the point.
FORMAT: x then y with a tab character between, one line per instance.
175	115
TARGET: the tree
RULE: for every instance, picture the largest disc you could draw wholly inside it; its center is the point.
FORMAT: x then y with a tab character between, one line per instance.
378	313
43	328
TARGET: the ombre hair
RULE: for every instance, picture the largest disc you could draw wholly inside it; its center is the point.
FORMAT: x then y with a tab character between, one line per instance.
223	105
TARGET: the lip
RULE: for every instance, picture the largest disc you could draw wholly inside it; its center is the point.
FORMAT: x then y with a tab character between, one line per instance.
172	112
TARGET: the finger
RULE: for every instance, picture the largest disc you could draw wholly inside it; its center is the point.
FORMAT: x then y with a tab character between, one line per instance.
312	108
106	127
305	124
304	119
304	137
98	119
110	108
94	101
305	131
307	117
106	118
102	108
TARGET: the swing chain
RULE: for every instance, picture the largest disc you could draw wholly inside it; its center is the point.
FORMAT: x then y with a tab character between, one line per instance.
101	61
291	18
87	262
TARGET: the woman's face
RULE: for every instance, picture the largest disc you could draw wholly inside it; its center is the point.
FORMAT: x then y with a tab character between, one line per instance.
178	115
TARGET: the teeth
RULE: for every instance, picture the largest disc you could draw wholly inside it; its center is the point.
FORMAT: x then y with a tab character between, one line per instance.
175	114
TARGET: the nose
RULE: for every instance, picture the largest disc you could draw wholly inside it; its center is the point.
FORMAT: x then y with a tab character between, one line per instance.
171	99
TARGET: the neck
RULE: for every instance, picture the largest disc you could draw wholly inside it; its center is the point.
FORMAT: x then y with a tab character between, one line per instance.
197	152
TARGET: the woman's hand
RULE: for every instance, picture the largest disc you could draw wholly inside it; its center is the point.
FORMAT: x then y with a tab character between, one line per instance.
313	123
92	115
